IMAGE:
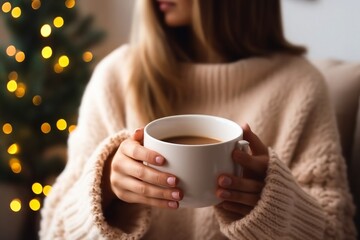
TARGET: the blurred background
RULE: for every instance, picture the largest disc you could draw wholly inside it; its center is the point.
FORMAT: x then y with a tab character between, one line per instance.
47	53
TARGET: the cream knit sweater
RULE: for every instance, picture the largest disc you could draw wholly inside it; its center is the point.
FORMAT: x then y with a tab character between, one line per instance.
284	100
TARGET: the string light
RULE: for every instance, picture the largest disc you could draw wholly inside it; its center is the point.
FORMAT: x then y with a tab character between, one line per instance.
58	22
61	124
35	204
64	61
37	100
45	30
15	165
46	52
45	128
58	68
21	90
70	3
13	149
37	188
16	12
87	56
71	128
11	86
6	7
20	56
7	128
47	190
11	50
36	4
13	76
15	205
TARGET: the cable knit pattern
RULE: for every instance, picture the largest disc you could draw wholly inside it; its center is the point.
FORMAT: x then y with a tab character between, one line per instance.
285	101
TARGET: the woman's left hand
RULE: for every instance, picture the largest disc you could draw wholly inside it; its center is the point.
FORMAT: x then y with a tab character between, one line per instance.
241	194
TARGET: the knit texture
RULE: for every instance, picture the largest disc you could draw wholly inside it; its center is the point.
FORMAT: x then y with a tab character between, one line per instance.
285	101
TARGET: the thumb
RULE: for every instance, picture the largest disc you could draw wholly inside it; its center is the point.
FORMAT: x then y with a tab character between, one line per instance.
256	145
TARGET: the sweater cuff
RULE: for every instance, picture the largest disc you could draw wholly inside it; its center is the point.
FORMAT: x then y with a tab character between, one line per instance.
83	210
283	210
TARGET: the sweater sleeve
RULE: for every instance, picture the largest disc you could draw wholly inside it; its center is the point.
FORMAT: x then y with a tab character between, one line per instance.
307	197
73	210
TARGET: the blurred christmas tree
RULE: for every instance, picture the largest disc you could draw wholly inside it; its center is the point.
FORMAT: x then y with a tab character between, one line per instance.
43	72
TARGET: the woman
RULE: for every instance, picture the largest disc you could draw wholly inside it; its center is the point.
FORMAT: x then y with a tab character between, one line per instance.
227	58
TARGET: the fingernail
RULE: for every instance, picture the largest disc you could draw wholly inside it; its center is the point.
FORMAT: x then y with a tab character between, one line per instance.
225	181
175	195
159	160
172	204
137	130
225	194
171	181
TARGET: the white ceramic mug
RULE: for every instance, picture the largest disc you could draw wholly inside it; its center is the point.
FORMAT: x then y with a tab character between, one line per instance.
196	166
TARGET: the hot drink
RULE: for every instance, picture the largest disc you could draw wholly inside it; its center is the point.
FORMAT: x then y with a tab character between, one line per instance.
191	140
201	151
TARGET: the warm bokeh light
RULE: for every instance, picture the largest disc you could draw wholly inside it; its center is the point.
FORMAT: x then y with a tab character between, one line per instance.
7	128
13	75
64	61
21	90
46	52
61	124
35	204
58	68
70	3
37	100
87	56
15	205
15	165
45	128
37	188
6	7
11	50
47	190
11	86
13	149
16	12
45	30
72	128
36	4
58	22
20	56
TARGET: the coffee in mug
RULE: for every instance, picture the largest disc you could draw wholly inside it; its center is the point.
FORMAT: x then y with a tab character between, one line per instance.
190	140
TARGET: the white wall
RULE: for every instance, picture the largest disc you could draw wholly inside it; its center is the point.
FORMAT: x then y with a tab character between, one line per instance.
112	16
330	28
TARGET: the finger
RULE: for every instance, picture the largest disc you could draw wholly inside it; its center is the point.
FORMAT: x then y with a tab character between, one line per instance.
256	145
131	197
145	189
256	164
240	184
138	135
140	171
248	199
236	208
136	151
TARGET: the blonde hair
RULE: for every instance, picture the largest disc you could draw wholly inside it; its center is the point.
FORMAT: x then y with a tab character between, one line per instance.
228	29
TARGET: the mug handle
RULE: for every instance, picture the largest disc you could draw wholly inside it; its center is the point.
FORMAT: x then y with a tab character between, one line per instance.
242	145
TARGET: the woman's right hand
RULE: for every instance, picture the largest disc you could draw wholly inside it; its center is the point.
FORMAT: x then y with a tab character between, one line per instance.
134	182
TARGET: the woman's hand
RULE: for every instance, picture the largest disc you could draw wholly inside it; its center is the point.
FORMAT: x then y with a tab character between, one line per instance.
133	182
241	194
